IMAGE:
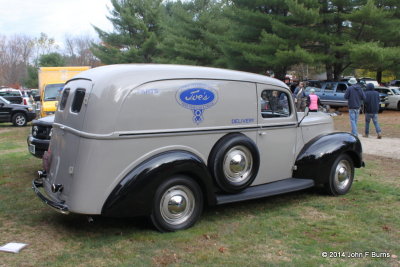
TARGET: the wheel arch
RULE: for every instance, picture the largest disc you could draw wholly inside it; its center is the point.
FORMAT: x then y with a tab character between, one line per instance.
316	156
133	195
15	111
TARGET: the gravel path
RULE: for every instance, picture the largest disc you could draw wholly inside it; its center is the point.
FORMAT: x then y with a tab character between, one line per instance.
385	147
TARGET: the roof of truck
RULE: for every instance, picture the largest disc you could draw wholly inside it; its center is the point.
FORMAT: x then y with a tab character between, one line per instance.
137	74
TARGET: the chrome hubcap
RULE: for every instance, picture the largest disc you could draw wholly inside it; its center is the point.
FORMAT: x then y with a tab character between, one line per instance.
238	163
177	204
342	174
20	120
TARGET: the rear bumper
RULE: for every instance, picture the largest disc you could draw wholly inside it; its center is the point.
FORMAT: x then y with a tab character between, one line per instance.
57	206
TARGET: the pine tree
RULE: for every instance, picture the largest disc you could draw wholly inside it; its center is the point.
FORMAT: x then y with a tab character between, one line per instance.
377	36
268	35
190	30
136	31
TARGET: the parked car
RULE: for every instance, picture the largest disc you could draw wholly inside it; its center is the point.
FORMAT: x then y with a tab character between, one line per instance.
19	115
395	83
332	94
12	95
39	138
366	80
212	137
393	94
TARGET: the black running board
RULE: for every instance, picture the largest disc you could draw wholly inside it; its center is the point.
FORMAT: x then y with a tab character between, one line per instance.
266	190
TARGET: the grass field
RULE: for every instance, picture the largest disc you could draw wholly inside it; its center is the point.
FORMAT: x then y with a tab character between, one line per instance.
287	230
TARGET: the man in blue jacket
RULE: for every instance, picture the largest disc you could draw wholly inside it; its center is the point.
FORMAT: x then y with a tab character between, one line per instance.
355	95
371	110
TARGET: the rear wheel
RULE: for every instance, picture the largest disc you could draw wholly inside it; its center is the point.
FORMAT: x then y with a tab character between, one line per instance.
178	204
341	176
19	119
398	106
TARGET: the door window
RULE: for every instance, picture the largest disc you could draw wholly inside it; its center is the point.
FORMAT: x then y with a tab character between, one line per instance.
329	87
274	104
341	88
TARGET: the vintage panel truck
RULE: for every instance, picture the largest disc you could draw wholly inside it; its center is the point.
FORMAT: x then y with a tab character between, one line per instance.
165	140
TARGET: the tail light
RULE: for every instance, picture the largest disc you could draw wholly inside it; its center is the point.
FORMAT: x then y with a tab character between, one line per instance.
46	160
25	102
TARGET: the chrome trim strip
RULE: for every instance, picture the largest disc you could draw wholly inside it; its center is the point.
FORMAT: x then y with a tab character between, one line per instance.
170	132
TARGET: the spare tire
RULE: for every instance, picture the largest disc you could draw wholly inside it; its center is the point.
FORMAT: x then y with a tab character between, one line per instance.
234	162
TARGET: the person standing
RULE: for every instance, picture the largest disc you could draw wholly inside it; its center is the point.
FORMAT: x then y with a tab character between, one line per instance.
313	102
299	96
371	110
354	94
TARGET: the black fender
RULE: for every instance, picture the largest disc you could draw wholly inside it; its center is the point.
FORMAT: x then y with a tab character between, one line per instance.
134	194
316	157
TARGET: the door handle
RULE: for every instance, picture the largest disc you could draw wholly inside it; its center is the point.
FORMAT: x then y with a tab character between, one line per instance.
262	133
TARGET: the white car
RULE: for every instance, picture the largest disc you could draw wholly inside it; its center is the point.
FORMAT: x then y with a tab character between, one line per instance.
393	96
12	95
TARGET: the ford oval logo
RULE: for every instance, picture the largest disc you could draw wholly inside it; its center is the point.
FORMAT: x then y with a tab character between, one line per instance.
197	97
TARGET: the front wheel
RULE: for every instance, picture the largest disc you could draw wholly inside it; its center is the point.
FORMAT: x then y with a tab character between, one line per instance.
178	204
19	119
341	176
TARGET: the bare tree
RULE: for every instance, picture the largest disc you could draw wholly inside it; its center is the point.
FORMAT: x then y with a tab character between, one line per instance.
42	46
15	53
77	51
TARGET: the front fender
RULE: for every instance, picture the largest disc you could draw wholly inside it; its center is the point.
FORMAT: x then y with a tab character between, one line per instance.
316	157
134	194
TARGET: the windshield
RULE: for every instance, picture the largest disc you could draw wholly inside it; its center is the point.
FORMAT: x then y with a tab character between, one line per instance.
2	99
52	91
396	91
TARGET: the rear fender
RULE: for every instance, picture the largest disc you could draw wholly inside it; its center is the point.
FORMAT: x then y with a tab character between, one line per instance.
134	194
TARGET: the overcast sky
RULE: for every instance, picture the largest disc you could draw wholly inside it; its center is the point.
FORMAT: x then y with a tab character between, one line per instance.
56	18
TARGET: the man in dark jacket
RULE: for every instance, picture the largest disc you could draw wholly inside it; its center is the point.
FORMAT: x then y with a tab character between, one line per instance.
371	110
354	94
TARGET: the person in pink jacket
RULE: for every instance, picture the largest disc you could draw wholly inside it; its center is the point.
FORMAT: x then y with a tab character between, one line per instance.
313	102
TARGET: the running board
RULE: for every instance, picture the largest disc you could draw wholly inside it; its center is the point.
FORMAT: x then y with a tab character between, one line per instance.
266	190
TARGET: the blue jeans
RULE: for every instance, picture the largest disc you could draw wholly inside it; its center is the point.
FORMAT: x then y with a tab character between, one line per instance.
374	117
354	113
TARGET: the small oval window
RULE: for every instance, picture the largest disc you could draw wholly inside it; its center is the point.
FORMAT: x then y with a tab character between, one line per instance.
78	100
64	98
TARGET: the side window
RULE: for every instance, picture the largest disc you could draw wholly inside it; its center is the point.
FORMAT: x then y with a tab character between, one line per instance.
78	100
274	104
316	89
64	98
329	87
341	88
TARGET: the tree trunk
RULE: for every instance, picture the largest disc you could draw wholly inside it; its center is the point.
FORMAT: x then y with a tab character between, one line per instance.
337	71
329	71
379	76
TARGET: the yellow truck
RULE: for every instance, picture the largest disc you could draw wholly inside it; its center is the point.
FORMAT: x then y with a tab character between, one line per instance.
51	82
